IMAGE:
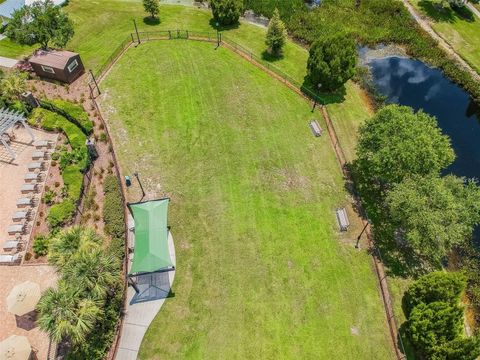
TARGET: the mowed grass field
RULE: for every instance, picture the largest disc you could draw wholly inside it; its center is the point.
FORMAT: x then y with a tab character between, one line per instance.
460	30
262	271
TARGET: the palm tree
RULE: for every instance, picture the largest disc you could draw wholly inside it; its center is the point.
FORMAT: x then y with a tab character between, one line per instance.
65	315
94	271
69	241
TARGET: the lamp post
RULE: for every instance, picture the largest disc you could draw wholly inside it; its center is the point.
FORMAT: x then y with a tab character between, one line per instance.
218	33
316	97
140	183
361	233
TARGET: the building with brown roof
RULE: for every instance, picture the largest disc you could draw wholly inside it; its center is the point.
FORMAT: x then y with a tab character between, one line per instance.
61	65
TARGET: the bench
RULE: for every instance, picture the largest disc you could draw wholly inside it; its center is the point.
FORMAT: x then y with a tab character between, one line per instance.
38	155
19	215
316	129
342	219
35	166
31	176
24	202
26	188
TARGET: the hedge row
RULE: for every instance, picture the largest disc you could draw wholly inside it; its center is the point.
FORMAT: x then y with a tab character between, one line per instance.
72	112
61	213
113	209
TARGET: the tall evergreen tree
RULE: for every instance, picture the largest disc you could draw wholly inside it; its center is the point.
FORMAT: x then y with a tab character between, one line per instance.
276	34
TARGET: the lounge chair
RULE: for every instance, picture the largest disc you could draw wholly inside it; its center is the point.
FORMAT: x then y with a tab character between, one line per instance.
26	188
31	176
10	259
35	166
26	201
16	229
38	155
43	144
11	244
20	215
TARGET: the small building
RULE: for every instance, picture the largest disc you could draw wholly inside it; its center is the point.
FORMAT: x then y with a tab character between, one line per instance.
61	65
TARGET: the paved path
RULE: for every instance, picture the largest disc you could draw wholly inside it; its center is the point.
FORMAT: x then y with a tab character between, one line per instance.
473	9
425	25
143	307
7	62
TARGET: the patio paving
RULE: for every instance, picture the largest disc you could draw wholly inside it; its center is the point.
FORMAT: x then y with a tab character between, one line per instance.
12	173
43	275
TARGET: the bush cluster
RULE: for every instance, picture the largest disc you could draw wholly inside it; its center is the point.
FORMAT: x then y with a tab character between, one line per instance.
72	162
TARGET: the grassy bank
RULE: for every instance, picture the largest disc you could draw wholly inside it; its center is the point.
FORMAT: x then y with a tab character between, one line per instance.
262	270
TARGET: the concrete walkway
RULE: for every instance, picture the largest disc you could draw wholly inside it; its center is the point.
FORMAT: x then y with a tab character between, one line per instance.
7	62
473	9
143	307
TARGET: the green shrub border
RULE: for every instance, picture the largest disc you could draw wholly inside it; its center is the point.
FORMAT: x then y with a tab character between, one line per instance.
72	112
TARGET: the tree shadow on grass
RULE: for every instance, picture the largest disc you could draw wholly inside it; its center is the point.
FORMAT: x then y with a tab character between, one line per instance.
446	13
324	98
268	56
221	27
148	20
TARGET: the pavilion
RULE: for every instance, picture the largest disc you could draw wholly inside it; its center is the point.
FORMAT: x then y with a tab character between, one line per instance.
8	119
151	251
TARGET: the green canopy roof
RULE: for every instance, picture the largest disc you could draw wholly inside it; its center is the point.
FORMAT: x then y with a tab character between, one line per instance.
151	251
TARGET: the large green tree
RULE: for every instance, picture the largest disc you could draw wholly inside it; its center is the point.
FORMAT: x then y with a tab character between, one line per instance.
226	12
40	23
397	143
152	7
432	214
276	34
332	61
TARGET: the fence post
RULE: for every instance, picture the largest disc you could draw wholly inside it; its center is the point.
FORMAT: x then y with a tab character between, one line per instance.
178	34
136	30
187	34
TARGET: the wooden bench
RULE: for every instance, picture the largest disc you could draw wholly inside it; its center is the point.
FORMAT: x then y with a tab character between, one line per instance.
342	219
316	129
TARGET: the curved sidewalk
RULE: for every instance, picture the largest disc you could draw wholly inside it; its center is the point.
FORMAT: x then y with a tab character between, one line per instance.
142	308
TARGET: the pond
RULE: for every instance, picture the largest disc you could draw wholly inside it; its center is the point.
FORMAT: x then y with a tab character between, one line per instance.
410	82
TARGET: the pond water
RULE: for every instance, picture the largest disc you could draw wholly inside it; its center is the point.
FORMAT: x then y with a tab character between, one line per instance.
410	82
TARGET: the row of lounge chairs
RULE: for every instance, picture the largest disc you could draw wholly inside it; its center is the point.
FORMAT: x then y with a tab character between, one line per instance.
25	204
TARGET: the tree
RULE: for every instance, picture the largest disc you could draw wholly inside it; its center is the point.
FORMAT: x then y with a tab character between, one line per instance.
40	23
397	143
433	214
67	242
13	84
276	34
432	326
152	7
94	272
436	286
332	61
64	315
226	12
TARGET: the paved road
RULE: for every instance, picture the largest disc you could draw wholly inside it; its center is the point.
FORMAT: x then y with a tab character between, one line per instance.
425	25
7	62
473	9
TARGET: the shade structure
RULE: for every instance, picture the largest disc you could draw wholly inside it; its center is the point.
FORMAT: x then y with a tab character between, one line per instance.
15	348
151	251
23	298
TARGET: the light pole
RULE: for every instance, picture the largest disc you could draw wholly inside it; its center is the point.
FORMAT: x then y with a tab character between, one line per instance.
140	183
361	233
316	97
218	34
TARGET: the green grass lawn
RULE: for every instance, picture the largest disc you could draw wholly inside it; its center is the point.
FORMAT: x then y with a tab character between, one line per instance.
262	271
98	32
13	50
460	30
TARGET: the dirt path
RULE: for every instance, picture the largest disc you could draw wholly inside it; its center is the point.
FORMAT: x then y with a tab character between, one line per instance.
425	25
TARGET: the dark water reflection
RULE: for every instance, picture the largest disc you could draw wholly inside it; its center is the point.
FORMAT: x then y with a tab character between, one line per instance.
412	83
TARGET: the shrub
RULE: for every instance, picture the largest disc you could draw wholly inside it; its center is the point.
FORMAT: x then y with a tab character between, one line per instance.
49	196
226	12
72	112
40	245
113	209
61	213
73	180
436	286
